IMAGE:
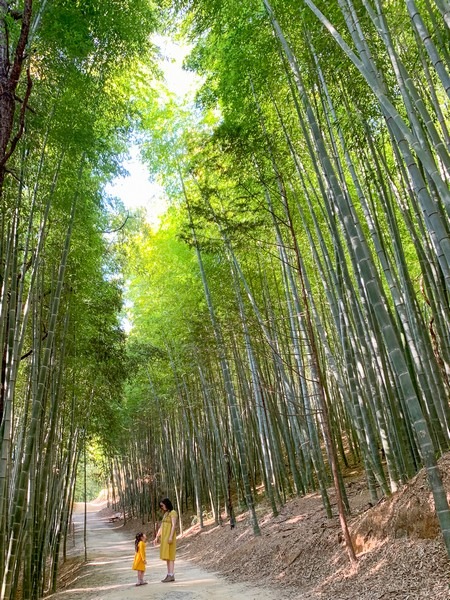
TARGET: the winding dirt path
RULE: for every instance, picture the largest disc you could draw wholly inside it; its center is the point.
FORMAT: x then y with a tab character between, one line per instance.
108	575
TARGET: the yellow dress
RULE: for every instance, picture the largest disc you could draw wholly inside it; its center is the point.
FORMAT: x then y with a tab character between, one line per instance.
167	551
139	558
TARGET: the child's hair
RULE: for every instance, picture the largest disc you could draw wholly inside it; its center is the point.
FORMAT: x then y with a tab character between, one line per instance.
167	503
137	540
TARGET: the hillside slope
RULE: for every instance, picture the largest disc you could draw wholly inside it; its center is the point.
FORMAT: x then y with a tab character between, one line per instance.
400	551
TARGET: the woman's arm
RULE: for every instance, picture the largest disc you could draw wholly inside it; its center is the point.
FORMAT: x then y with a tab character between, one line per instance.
157	535
172	530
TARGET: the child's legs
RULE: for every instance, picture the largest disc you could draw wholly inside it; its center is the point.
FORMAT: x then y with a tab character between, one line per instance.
140	576
171	567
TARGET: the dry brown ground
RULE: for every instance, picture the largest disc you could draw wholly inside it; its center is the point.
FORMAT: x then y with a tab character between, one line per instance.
107	573
400	551
299	554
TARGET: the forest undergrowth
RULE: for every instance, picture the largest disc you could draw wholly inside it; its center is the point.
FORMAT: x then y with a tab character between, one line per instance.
300	552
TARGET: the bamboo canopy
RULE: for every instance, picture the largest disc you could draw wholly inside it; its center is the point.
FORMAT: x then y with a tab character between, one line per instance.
289	318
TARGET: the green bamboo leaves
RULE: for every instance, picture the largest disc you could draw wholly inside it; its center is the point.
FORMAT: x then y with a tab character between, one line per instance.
323	189
60	295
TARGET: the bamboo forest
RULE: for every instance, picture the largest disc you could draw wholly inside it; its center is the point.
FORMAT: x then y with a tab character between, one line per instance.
285	323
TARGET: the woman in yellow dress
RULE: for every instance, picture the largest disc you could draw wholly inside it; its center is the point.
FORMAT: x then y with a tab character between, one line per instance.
139	557
168	537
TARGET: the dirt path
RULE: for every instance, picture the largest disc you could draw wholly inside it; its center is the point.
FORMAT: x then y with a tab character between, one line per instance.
108	574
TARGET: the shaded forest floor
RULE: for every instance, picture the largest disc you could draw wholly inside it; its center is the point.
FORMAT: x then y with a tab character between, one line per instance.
400	550
107	573
300	555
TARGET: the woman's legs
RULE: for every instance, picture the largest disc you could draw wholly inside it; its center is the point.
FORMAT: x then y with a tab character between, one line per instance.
170	571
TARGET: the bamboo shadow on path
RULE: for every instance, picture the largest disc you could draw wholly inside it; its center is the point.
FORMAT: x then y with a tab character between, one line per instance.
108	575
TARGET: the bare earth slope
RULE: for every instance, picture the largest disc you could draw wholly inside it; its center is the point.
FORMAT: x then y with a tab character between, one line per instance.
400	551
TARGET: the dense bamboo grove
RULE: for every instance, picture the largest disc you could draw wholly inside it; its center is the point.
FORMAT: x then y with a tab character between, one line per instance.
64	117
291	316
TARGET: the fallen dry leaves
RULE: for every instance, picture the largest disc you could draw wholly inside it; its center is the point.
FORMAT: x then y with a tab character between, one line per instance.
400	551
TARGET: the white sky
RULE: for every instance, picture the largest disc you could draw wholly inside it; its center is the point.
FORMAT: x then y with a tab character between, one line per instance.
136	190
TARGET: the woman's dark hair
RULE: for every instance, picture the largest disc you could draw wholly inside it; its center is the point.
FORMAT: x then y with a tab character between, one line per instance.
138	538
167	503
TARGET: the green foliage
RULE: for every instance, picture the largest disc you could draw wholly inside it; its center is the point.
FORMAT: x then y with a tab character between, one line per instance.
312	216
60	273
95	475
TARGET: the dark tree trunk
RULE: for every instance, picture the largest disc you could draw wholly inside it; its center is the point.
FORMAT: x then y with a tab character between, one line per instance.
11	68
